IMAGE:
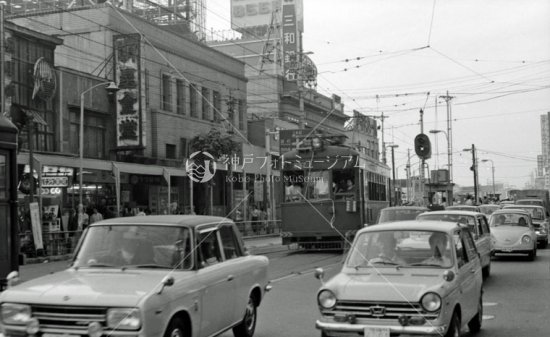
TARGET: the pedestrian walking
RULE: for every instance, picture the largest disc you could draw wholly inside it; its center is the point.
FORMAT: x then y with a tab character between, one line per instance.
96	216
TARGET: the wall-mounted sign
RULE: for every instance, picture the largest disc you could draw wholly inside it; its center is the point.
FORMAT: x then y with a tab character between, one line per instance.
130	118
290	41
59	181
44	80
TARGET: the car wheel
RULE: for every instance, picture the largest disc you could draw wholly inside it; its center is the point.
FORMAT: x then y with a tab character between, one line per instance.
176	328
486	271
532	254
248	325
454	326
475	323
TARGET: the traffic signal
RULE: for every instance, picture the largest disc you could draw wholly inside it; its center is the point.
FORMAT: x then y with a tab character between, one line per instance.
422	146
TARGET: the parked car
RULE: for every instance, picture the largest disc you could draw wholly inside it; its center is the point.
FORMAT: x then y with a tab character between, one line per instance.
488	209
469	208
429	283
478	224
513	233
173	275
400	213
539	219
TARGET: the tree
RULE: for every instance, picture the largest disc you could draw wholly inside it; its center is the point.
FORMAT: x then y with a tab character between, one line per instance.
220	146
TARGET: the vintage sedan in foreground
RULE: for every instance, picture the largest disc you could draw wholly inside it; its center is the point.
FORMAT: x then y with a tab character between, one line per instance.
513	232
409	277
145	276
479	225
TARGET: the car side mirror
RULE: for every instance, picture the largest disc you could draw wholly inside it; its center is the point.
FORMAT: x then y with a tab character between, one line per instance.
319	274
167	281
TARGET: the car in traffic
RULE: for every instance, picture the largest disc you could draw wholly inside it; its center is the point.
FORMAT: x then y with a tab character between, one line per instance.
488	209
539	219
171	275
533	201
513	233
469	208
408	277
400	213
478	224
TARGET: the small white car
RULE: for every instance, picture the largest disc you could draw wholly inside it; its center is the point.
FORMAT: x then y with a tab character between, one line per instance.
513	233
171	276
408	277
479	225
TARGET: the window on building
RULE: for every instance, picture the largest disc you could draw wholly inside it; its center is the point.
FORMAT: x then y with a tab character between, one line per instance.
183	148
95	130
170	151
166	93
193	100
205	92
180	97
217	102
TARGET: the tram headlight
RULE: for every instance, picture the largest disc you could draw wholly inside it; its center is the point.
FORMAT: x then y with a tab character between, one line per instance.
317	143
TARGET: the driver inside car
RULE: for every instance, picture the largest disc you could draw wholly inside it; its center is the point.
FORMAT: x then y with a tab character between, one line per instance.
388	251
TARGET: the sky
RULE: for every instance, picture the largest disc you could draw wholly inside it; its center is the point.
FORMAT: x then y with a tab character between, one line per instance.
399	56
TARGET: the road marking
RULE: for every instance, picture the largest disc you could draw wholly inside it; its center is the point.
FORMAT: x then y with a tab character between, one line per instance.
488	317
489	304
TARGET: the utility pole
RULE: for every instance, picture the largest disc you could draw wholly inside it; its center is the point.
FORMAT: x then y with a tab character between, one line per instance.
448	99
2	62
408	169
382	117
474	168
422	159
392	185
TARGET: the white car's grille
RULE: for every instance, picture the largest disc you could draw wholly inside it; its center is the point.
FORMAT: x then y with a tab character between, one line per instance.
379	310
67	317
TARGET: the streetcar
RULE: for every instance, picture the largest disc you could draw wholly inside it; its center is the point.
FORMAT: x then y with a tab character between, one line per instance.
330	191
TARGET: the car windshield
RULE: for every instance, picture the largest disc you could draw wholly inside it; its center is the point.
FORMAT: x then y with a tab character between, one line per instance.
131	246
535	212
404	248
509	219
463	219
398	214
488	210
530	202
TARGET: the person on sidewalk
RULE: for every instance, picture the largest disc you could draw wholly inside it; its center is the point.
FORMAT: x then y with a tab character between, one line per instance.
96	216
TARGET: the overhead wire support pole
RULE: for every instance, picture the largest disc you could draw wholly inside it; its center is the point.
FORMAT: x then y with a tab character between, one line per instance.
448	99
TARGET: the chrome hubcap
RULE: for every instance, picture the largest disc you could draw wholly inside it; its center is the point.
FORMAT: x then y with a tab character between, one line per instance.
250	315
176	333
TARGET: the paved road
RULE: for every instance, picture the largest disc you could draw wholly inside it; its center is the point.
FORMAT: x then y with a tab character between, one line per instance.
517	299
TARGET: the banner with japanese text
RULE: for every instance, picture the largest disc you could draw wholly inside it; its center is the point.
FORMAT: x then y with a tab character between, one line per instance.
290	41
130	118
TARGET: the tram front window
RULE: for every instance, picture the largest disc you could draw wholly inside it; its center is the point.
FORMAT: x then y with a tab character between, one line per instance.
309	185
343	184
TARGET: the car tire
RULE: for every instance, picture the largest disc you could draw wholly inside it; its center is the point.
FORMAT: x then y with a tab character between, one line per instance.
176	328
248	325
486	271
532	254
454	326
475	323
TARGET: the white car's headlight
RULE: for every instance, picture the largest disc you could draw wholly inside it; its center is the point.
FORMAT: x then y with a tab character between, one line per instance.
19	314
326	299
431	302
526	239
124	319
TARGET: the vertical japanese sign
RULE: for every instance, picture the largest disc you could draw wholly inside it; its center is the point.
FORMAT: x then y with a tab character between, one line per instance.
130	119
290	40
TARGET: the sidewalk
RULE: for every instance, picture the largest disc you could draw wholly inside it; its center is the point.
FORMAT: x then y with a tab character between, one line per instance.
257	245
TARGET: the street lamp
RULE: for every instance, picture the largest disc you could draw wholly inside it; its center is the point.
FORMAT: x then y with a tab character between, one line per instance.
392	195
111	88
493	171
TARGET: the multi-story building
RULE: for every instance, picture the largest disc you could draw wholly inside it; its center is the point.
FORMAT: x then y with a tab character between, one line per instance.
362	133
171	88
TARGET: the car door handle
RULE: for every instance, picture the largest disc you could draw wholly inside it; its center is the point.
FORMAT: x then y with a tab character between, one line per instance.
230	278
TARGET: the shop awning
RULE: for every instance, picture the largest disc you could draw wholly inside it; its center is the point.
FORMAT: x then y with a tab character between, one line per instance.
104	165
